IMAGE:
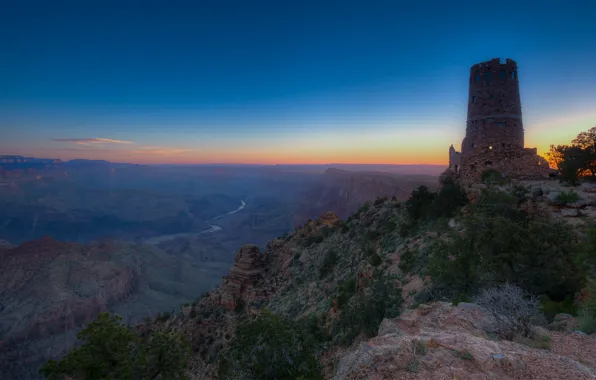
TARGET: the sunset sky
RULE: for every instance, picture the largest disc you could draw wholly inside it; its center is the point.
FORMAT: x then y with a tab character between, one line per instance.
281	81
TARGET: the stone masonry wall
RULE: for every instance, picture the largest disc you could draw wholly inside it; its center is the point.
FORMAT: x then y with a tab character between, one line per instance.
521	164
494	107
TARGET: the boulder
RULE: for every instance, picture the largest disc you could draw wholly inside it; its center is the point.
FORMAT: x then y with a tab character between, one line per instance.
552	197
536	191
562	322
570	212
443	341
579	204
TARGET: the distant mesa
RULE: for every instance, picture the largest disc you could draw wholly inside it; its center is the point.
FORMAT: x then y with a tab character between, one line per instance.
494	131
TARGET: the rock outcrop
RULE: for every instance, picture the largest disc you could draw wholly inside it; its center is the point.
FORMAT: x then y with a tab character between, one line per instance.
441	341
239	284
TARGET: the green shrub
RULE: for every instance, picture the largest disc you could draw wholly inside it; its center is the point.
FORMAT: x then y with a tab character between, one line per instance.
586	321
492	177
375	260
239	308
366	311
112	350
270	347
565	197
551	308
420	348
346	289
419	202
380	201
314	239
407	261
328	263
163	317
503	248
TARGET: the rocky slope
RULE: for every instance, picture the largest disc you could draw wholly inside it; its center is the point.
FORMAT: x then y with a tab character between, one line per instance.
50	289
303	275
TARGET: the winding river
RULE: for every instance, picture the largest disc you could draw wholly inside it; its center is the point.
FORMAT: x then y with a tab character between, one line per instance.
212	228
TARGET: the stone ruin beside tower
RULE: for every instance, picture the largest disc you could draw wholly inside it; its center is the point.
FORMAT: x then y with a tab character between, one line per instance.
494	131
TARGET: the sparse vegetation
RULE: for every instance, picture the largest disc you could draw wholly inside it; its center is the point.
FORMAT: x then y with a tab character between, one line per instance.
328	263
501	245
270	347
565	197
364	313
492	177
112	350
407	261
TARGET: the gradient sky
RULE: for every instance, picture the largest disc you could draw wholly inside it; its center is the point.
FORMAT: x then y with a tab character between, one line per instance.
281	81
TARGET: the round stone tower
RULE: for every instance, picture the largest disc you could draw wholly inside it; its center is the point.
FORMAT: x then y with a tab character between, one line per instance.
494	108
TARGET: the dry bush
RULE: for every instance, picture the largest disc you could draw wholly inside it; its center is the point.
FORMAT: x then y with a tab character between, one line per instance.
515	311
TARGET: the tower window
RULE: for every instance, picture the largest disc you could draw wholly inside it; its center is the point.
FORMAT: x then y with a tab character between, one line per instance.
489	77
474	99
513	75
502	74
477	79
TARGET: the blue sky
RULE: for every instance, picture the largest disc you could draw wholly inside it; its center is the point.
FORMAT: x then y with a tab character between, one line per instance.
281	81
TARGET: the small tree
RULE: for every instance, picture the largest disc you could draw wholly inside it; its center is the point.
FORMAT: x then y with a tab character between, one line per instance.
419	202
514	310
111	350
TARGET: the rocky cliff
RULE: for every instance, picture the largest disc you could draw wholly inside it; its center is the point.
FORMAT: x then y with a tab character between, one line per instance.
343	192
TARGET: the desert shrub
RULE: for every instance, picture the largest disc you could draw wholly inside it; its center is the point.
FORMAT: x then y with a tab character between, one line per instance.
514	310
418	204
326	231
346	290
519	192
112	350
163	317
270	347
328	263
380	201
498	249
497	203
450	199
314	239
586	321
375	260
407	261
315	327
551	308
492	177
366	311
239	308
565	197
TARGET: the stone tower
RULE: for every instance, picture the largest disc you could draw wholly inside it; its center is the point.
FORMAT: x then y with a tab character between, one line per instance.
494	128
494	108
